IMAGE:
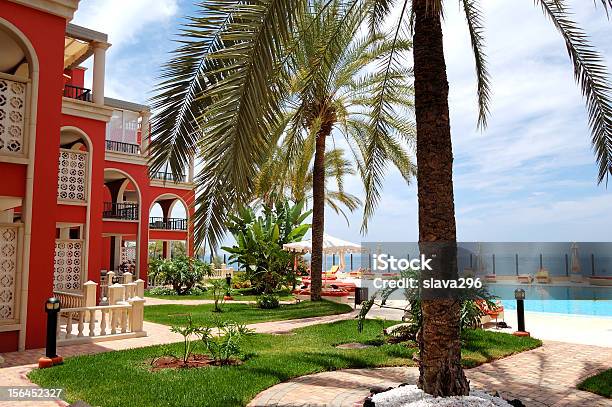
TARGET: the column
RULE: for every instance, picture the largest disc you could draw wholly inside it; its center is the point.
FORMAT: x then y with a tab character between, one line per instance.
99	53
117	251
191	169
145	132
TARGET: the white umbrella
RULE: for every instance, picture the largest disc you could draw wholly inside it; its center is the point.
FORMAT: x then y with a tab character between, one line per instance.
330	245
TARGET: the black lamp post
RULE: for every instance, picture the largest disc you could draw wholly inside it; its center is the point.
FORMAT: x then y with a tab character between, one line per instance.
519	295
52	308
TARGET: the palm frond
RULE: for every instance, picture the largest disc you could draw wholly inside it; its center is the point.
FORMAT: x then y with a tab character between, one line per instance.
591	74
378	11
474	19
176	103
373	150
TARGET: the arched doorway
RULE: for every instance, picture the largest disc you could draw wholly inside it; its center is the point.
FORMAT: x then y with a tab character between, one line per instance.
122	199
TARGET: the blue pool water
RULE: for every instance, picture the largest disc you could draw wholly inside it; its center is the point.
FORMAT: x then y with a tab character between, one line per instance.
577	307
578	300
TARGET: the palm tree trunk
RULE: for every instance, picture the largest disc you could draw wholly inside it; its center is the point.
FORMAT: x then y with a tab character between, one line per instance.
439	340
318	213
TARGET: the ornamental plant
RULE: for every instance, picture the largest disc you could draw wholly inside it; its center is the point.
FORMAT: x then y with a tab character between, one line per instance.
182	272
260	233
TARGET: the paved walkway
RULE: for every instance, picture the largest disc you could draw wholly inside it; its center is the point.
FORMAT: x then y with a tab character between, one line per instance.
17	364
546	376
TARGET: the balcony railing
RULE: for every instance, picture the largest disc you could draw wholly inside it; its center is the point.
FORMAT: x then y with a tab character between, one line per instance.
122	147
120	210
78	93
168	224
168	176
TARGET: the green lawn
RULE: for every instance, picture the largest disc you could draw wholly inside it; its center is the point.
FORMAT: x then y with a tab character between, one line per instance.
241	313
599	384
123	378
244	294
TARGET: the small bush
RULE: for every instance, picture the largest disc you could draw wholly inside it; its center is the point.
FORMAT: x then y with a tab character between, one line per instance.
182	272
267	301
240	280
226	345
161	291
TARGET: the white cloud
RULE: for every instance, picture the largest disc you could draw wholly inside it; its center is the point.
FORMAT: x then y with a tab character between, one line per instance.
123	20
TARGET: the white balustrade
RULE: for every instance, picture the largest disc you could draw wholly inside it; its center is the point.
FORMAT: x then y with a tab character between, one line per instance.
87	322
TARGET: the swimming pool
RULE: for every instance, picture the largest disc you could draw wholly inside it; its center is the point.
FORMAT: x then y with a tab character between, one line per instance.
559	299
576	307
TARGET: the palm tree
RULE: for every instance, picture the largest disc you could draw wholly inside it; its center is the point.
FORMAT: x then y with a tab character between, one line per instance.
232	55
278	177
335	88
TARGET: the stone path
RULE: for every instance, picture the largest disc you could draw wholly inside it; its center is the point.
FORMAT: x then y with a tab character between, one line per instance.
17	364
546	376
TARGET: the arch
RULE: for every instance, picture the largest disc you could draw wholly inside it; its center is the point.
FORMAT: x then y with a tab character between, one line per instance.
88	143
29	136
18	36
170	195
139	234
124	185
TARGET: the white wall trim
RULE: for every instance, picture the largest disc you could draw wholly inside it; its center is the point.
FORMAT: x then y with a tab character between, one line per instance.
61	8
86	110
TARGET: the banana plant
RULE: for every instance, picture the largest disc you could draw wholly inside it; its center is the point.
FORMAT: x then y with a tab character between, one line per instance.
260	233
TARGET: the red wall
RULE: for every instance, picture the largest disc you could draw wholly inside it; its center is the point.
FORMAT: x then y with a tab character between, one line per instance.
49	46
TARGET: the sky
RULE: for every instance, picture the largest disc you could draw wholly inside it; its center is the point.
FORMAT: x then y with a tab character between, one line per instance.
529	176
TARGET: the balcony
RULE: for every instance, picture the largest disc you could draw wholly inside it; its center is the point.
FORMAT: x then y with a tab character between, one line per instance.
167	176
120	210
78	93
120	147
168	224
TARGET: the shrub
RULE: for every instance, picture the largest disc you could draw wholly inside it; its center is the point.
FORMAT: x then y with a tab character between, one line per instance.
260	234
267	301
182	272
161	291
240	280
226	345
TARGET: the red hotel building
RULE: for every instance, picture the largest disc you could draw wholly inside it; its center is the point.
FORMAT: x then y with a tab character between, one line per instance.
75	190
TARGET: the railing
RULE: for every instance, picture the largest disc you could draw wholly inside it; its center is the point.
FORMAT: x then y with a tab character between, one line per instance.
168	176
120	210
122	147
222	272
122	316
168	224
77	92
70	300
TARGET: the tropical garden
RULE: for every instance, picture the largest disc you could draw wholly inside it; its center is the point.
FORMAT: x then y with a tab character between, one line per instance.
257	92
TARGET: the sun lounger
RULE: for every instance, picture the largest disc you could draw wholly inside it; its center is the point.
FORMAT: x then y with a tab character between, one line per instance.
332	272
524	278
542	276
490	313
490	278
